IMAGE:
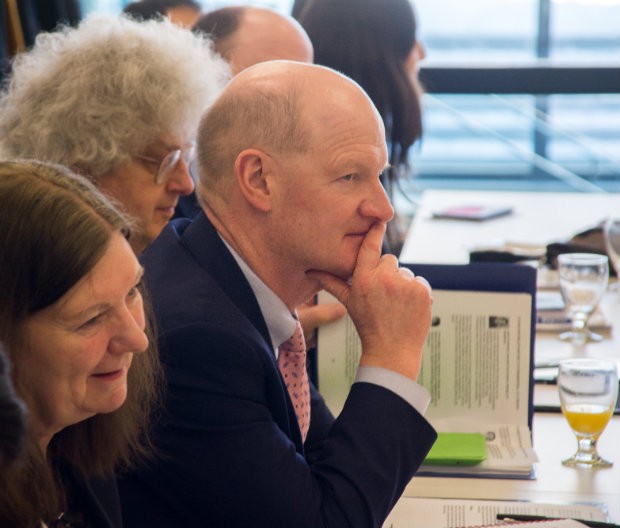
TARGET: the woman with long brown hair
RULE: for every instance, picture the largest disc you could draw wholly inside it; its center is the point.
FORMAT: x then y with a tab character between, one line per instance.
73	322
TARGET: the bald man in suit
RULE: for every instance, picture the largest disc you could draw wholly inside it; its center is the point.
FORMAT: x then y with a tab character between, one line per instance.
289	159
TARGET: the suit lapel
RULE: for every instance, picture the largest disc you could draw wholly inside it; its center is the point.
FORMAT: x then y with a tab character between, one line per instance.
203	242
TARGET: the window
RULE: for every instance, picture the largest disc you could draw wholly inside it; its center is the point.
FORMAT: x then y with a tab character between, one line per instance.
495	139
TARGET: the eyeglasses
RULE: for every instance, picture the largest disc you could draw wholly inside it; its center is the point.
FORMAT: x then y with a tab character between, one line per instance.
168	164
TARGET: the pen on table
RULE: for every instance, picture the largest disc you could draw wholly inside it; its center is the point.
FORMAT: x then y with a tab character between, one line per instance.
520	518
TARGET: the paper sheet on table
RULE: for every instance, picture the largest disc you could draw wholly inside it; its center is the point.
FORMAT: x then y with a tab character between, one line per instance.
418	512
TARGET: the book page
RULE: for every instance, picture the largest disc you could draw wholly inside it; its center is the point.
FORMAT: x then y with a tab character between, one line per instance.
476	358
414	512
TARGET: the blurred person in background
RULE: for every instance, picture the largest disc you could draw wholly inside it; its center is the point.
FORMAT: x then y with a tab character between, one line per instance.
181	12
246	35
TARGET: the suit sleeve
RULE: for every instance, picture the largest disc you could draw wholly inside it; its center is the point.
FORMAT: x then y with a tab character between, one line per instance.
321	421
225	457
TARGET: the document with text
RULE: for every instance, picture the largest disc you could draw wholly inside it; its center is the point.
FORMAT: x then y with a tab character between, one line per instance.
476	365
418	512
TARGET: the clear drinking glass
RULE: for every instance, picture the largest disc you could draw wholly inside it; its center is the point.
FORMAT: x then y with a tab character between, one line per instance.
612	243
588	391
583	280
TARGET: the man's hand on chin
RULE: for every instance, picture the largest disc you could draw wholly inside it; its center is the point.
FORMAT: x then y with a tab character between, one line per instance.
391	308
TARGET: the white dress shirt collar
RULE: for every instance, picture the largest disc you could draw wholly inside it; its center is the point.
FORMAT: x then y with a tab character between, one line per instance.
280	322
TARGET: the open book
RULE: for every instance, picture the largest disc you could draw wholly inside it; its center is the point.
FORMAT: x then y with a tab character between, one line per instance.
477	363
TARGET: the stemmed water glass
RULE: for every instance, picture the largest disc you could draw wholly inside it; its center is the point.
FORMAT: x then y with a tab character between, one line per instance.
583	280
588	391
611	232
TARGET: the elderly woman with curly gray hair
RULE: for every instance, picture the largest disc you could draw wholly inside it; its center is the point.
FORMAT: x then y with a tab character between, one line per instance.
118	101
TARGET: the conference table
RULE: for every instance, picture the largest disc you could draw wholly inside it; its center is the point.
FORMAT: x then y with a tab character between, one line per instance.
537	219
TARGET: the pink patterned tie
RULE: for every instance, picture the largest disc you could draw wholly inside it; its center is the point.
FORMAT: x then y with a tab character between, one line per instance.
292	364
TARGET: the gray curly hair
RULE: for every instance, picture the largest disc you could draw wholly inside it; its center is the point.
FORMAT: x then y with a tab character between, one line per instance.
92	96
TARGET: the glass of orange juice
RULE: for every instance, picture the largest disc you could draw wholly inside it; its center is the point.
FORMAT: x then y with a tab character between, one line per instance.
588	392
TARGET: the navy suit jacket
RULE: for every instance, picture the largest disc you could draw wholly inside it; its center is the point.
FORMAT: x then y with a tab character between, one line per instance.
229	448
94	501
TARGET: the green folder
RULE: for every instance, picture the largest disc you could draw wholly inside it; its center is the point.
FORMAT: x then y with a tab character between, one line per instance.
454	449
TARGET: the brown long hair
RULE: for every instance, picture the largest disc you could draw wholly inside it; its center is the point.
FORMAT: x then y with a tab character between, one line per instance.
12	417
55	227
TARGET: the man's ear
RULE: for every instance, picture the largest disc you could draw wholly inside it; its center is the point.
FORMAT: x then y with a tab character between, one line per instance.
252	173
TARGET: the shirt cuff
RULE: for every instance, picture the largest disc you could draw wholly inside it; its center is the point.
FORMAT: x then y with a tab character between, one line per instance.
410	391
